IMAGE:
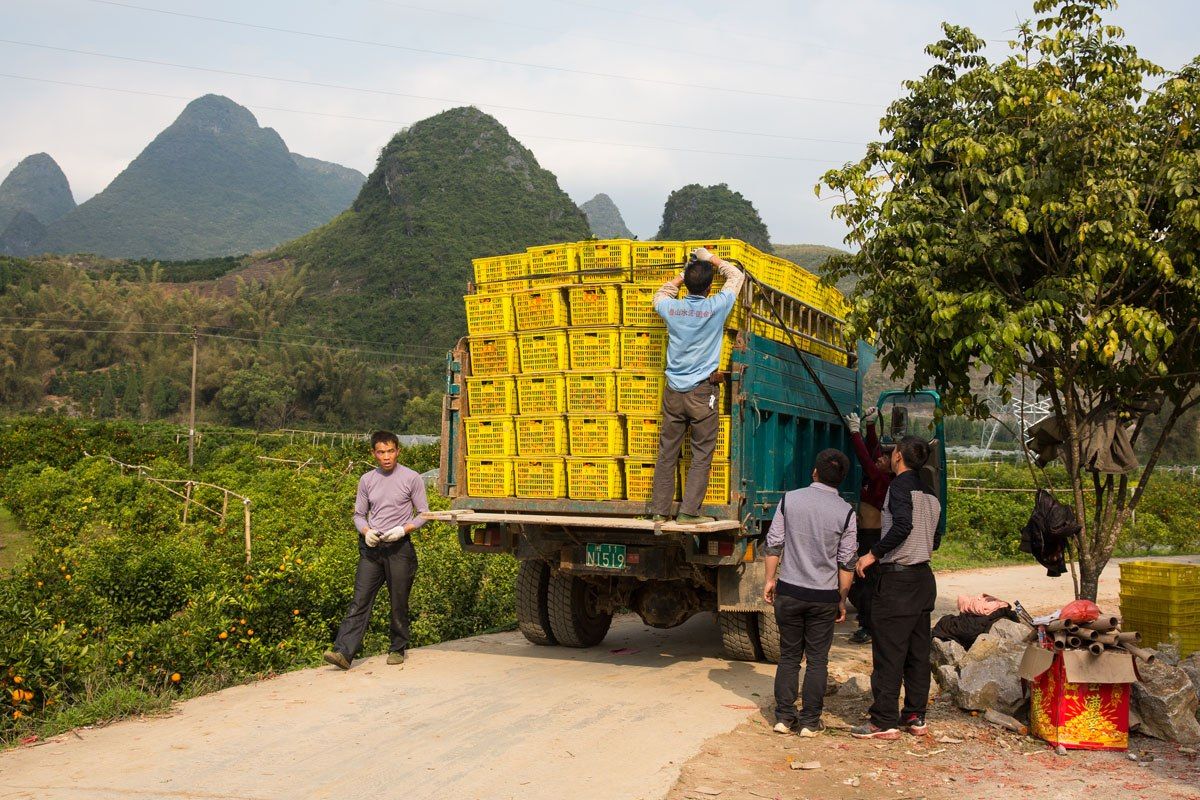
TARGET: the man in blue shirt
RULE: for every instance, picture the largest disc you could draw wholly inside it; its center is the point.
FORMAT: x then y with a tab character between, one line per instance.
695	327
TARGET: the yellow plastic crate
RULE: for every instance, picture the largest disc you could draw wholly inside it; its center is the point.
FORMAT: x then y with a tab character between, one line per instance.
772	271
490	436
491	397
640	392
489	477
541	394
542	436
657	262
591	393
498	274
594	479
637	306
643	348
553	265
540	477
489	314
1182	614
600	435
595	305
639	480
543	351
610	256
493	355
641	435
724	249
1161	573
595	348
804	286
540	308
717	493
1161	593
724	425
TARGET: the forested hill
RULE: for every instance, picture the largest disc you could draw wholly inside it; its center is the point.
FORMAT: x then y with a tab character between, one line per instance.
605	218
38	187
702	212
213	183
451	188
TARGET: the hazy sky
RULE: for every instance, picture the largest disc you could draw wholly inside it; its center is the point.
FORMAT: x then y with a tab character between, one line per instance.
793	87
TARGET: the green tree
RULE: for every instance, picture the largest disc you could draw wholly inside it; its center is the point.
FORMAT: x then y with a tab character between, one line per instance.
1039	218
705	212
131	400
107	407
258	398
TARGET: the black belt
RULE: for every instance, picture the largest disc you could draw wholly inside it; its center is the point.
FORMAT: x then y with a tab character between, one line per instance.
901	567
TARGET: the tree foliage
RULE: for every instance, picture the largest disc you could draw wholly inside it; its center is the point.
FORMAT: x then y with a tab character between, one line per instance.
1039	218
707	212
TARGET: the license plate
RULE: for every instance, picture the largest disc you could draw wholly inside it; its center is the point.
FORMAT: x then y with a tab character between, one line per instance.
605	556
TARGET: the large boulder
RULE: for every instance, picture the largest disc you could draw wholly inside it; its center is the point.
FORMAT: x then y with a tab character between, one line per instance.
947	679
1165	699
945	652
1007	629
1191	665
988	677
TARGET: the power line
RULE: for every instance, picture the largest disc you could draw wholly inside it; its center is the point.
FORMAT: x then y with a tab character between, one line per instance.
829	161
484	59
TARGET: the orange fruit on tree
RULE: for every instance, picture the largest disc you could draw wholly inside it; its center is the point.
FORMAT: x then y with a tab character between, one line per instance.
222	635
17	679
175	677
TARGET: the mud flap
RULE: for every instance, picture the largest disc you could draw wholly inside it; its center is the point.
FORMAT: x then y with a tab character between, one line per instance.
740	587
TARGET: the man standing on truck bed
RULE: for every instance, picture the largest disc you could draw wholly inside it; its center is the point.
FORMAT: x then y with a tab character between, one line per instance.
904	597
695	327
814	534
387	509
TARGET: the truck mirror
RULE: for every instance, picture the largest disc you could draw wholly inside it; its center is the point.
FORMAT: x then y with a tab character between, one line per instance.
898	428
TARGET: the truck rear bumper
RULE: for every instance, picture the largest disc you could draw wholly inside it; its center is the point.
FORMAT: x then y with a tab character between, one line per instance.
472	517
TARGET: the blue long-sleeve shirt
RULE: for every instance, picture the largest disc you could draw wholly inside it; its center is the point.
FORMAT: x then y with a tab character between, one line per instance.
695	326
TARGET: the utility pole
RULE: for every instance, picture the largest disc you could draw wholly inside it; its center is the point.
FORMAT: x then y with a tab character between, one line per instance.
192	409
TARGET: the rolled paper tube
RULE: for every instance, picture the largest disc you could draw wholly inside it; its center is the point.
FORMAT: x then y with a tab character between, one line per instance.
1056	626
1129	637
1060	642
1074	641
1144	655
1107	638
1101	624
1095	648
1072	627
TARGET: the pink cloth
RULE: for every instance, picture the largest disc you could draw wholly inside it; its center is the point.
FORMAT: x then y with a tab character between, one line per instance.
984	604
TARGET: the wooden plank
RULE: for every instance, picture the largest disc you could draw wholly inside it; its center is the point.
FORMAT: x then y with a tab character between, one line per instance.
466	517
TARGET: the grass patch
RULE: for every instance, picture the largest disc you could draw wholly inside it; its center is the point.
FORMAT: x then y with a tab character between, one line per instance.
955	555
15	542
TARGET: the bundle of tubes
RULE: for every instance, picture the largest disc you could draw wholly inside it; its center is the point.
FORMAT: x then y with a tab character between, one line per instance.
1102	634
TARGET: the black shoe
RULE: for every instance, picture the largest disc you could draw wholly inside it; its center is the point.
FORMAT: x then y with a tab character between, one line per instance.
860	636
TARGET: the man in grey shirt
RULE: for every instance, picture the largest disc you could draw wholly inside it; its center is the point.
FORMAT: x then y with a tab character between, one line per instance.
387	509
815	537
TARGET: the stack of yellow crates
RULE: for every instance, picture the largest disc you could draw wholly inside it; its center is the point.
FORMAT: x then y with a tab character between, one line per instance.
1161	601
567	357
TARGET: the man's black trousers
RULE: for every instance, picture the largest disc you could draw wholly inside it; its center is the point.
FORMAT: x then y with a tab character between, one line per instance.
900	642
394	564
805	631
862	591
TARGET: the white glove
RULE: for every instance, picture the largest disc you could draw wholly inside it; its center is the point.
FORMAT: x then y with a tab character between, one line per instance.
870	415
702	254
393	534
371	537
853	423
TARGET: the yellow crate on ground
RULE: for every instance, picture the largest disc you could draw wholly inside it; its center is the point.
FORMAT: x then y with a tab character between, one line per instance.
717	493
595	305
541	394
544	351
553	265
657	262
591	392
540	477
500	274
594	479
489	314
641	435
491	397
724	425
1155	632
490	436
1161	580
596	435
604	260
493	355
595	348
637	306
643	348
540	308
489	477
542	436
640	392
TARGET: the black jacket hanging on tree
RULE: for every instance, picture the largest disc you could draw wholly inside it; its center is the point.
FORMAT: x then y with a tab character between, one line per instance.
1045	535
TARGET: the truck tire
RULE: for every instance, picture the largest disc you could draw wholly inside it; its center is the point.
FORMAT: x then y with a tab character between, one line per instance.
739	635
768	636
533	618
574	619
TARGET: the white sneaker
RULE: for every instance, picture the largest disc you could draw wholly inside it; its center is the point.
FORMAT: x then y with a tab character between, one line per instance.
813	732
781	727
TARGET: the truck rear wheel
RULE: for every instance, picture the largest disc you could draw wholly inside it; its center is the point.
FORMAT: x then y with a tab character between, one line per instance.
739	635
768	636
574	617
533	617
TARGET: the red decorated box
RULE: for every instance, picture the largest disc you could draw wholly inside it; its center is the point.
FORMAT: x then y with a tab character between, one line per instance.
1077	699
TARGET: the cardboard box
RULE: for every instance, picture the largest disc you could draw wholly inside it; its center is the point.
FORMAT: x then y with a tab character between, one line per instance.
1079	700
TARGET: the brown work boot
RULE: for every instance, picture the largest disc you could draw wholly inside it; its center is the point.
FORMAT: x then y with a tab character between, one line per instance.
692	519
337	659
396	658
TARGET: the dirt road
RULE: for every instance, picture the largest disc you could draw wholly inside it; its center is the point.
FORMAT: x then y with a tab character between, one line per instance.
488	717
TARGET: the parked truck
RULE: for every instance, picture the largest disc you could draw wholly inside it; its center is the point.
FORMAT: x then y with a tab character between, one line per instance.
791	377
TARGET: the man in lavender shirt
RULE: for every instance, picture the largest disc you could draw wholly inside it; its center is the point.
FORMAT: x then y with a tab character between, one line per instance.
390	500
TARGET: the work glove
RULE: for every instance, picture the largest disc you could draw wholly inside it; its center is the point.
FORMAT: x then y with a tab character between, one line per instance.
702	254
870	416
393	534
853	423
371	538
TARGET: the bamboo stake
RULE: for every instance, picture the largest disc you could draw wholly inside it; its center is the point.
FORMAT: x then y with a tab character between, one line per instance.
246	515
187	501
